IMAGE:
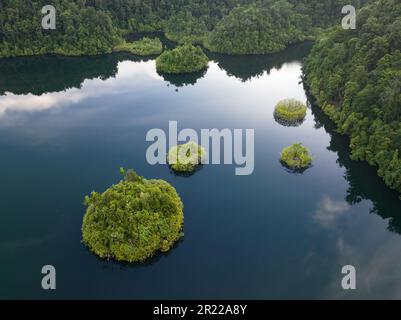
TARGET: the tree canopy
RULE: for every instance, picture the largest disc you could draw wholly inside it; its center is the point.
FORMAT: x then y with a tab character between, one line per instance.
142	47
183	59
296	157
80	30
355	76
254	29
133	219
88	27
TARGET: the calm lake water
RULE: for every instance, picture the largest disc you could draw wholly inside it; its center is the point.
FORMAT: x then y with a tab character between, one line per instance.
68	124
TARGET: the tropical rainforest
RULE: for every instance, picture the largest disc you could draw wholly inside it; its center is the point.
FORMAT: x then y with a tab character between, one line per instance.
88	27
143	47
133	219
354	75
184	59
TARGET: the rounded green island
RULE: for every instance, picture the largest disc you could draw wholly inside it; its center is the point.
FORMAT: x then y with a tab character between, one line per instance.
290	112
143	47
296	157
133	219
183	59
185	158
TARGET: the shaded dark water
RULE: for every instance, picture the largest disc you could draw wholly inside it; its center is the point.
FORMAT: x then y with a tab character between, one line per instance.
68	124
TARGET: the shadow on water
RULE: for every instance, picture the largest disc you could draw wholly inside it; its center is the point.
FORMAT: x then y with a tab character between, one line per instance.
186	174
181	80
364	183
51	73
242	67
248	67
296	171
167	44
286	123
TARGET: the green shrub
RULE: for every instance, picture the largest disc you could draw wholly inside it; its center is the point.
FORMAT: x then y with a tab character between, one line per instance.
183	59
133	219
143	47
296	157
186	157
290	112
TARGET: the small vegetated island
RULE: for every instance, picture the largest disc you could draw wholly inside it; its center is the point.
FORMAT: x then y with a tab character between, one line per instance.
96	27
185	158
143	47
133	219
183	59
296	157
290	112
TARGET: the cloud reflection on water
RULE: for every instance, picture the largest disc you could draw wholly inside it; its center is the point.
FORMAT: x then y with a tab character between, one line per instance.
130	74
329	210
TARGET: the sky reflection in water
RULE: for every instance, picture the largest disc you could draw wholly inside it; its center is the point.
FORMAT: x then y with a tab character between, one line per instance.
269	235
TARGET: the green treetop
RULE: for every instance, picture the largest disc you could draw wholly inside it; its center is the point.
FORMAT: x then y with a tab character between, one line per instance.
133	219
184	59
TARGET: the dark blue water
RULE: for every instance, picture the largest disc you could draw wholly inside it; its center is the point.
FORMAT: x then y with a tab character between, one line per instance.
68	124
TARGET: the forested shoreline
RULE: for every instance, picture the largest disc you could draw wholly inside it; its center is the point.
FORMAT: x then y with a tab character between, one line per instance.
89	27
355	75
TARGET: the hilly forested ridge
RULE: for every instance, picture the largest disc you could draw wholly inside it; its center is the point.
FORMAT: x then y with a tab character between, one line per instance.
88	27
355	76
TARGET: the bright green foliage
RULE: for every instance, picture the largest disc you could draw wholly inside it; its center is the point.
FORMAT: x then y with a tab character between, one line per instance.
88	27
143	47
290	111
254	29
186	157
355	76
133	219
184	59
296	157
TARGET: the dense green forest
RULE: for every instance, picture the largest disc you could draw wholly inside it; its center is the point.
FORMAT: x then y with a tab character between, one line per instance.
256	29
142	47
133	219
355	76
80	30
88	27
268	26
183	59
